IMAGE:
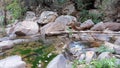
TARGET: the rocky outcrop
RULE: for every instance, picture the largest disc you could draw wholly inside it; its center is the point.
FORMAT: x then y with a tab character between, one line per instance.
23	28
60	24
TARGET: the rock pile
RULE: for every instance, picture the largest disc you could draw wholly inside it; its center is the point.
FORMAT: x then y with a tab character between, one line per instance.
32	28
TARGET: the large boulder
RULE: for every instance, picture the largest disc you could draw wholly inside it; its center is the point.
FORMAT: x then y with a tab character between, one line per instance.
23	28
6	44
60	24
47	17
12	62
58	62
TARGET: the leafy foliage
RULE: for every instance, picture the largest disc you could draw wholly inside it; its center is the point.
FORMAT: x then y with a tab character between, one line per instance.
104	63
2	24
16	9
85	15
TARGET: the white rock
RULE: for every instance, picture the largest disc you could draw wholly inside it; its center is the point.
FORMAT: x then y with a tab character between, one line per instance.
4	38
58	62
12	62
89	56
6	44
47	17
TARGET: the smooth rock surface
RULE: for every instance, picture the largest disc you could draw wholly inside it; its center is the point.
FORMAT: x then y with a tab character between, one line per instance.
58	62
12	62
6	44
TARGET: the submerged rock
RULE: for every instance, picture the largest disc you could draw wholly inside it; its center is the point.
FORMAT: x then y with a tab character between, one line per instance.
76	48
12	62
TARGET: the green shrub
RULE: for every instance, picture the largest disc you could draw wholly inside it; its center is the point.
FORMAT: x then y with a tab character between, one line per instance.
16	9
104	49
85	15
104	63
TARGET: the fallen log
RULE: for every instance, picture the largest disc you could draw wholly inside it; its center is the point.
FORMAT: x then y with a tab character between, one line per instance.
80	32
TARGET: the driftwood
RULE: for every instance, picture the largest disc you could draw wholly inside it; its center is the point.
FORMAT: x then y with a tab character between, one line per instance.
109	33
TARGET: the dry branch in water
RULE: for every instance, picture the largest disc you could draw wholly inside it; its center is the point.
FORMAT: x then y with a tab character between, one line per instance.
80	32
